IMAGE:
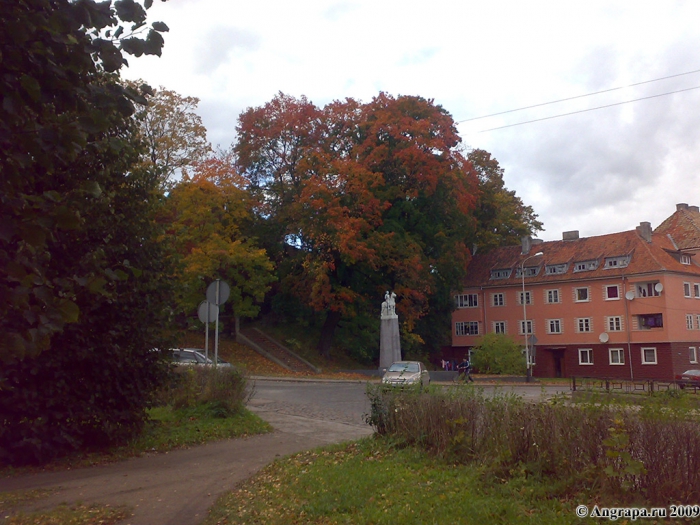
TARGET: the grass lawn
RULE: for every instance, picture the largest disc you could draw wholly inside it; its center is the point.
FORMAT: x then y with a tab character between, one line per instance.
372	481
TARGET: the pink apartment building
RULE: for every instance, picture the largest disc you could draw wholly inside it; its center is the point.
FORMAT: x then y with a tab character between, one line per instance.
623	305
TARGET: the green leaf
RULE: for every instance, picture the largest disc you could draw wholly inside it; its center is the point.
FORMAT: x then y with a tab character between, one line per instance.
67	219
130	11
96	284
154	43
148	3
133	46
69	311
33	235
31	86
92	188
160	27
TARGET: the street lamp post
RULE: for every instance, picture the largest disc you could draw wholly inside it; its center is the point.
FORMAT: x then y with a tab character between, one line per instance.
528	376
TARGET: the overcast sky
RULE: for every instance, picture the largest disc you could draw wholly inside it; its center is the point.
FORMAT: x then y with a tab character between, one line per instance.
597	171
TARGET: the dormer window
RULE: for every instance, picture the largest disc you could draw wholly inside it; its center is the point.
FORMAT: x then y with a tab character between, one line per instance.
685	259
585	266
555	269
617	262
530	271
502	273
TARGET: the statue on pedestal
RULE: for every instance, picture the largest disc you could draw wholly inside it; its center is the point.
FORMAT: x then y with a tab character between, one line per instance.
390	340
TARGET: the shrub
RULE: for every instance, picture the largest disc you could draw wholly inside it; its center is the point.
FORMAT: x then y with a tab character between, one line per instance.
223	388
498	354
619	450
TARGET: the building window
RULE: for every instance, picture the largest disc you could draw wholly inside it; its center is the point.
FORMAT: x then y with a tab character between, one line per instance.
498	299
501	274
553	296
685	259
686	289
696	289
697	321
585	266
617	262
554	326
581	295
555	269
693	354
585	356
467	328
584	324
689	321
615	323
648	356
648	321
469	300
530	271
647	289
525	299
523	325
499	327
617	356
612	292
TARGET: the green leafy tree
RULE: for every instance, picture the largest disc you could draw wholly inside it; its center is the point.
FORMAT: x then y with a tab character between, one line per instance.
82	278
498	354
502	218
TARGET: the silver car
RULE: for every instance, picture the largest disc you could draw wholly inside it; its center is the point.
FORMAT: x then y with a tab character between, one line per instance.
403	373
194	356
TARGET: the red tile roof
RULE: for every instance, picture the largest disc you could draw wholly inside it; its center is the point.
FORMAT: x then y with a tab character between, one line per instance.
683	227
644	258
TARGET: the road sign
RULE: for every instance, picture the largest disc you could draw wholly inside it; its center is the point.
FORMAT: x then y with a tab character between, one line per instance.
218	292
208	312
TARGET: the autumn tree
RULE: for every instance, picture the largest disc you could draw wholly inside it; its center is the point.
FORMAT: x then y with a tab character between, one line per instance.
82	279
502	217
173	133
368	197
208	214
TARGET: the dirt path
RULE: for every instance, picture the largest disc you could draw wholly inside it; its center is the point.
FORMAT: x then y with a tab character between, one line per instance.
177	488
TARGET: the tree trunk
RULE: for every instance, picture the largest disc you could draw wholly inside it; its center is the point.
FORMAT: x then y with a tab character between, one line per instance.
324	344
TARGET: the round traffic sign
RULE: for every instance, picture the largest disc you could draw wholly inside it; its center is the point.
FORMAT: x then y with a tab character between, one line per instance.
208	312
224	291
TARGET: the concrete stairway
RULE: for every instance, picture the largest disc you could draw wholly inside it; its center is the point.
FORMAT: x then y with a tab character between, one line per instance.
274	351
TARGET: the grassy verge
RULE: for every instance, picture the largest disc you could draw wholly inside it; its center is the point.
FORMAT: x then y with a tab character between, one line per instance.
71	514
374	481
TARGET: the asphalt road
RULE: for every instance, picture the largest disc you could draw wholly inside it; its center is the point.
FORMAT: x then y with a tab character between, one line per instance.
177	488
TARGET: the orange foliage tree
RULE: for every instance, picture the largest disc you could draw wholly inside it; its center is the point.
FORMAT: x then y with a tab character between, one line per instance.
365	197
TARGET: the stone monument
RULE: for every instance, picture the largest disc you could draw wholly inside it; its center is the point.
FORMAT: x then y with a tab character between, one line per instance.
389	341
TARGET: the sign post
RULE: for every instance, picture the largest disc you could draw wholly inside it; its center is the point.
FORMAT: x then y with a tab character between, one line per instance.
207	312
218	293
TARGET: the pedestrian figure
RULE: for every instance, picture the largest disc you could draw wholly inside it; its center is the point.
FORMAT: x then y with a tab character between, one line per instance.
465	367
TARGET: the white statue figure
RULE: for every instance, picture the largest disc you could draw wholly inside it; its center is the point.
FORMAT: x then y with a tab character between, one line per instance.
389	304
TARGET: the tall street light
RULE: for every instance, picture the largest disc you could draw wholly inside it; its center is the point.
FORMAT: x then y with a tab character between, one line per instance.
528	376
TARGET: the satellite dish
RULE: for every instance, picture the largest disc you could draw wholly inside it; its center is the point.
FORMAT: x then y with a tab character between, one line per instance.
630	295
658	287
604	337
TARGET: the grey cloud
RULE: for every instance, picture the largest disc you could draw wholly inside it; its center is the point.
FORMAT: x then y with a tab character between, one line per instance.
220	42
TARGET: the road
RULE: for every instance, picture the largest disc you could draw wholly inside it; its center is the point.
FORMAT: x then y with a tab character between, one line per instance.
177	488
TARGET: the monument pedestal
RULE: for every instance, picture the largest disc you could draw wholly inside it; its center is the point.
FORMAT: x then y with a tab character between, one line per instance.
389	337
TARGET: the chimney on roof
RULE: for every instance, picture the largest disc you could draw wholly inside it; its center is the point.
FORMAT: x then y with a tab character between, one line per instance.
681	206
570	236
527	244
694	208
644	231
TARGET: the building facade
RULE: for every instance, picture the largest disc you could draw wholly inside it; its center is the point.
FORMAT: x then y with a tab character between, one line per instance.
623	305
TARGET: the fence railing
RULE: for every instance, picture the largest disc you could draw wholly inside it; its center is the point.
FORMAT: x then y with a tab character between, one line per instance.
631	386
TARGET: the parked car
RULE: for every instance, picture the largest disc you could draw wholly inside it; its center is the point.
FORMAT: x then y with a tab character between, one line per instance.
689	377
194	356
402	373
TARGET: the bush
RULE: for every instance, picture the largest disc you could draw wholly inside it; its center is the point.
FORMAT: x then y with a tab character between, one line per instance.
620	451
498	354
223	389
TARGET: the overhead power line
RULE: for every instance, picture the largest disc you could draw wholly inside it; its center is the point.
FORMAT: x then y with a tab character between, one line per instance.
578	96
589	109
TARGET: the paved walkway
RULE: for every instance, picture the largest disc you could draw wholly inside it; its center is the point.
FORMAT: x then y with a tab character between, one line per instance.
178	487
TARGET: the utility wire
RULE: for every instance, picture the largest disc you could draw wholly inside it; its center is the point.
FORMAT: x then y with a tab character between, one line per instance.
578	96
590	109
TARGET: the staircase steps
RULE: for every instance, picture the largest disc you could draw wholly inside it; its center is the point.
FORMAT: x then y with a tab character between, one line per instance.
275	351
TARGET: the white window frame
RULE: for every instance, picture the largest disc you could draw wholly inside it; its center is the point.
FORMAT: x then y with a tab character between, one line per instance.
686	290
530	326
646	289
501	299
697	321
685	258
464	328
587	352
584	325
576	294
689	321
554	326
696	290
644	359
621	356
467	300
614	323
607	294
553	296
693	354
528	297
499	325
